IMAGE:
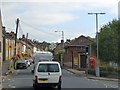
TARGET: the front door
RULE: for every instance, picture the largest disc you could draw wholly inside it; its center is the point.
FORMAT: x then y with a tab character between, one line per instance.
83	61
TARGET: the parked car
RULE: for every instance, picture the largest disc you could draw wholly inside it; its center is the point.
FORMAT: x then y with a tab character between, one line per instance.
28	62
31	61
21	64
47	73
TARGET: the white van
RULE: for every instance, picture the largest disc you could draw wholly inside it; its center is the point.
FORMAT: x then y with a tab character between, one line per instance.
47	73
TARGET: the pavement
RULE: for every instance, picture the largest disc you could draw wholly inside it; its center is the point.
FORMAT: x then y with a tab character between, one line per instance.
88	76
5	71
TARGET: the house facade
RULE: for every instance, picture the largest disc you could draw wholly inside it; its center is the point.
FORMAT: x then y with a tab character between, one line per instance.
8	46
24	47
75	56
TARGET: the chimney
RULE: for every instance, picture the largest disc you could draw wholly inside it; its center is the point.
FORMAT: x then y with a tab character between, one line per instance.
68	40
62	43
3	28
23	36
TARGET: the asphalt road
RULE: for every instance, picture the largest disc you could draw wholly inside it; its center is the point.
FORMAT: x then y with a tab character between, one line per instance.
24	78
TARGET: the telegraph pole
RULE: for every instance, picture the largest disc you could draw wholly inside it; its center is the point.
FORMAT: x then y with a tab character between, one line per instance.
17	22
26	41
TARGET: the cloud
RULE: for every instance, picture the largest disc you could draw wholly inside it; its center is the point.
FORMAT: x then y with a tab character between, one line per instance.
37	13
47	18
52	12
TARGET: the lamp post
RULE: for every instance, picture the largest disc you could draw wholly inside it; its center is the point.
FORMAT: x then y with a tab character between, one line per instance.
62	34
97	62
119	10
62	46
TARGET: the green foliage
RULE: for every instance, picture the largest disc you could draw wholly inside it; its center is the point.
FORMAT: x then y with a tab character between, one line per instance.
103	68
108	69
57	56
118	31
91	72
104	74
108	42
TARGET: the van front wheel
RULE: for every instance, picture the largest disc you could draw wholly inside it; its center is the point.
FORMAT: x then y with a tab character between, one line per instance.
35	87
59	86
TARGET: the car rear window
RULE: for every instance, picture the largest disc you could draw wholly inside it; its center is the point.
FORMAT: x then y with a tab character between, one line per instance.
48	68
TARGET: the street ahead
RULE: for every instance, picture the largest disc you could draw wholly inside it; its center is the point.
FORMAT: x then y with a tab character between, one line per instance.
24	78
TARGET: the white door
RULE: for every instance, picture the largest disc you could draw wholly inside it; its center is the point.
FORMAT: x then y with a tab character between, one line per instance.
53	73
42	73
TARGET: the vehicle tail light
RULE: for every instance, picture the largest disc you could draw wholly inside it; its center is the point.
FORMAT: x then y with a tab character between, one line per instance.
60	78
36	78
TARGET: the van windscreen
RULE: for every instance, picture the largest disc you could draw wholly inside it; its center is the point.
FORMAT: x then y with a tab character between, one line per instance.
48	68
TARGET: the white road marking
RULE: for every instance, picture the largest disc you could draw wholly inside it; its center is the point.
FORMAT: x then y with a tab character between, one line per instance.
3	80
17	71
9	79
110	85
106	86
12	86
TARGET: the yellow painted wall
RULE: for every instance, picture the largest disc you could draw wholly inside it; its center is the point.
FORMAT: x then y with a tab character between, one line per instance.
76	61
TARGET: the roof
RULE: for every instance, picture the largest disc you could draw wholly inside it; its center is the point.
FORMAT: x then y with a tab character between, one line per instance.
80	41
48	62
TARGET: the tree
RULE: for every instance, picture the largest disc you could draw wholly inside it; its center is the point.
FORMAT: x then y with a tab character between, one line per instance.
108	42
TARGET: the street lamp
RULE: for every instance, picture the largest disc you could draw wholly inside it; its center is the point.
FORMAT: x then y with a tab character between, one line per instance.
119	10
62	46
97	65
62	34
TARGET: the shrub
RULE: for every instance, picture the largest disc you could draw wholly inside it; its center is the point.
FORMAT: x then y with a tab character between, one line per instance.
103	69
110	69
92	72
104	73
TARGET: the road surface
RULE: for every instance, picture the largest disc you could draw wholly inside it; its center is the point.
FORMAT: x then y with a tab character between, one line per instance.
24	79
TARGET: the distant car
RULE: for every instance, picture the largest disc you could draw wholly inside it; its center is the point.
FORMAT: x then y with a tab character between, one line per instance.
47	73
22	64
28	62
31	61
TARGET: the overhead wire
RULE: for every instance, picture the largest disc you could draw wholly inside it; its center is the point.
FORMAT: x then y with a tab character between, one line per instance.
39	30
22	33
31	34
20	30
